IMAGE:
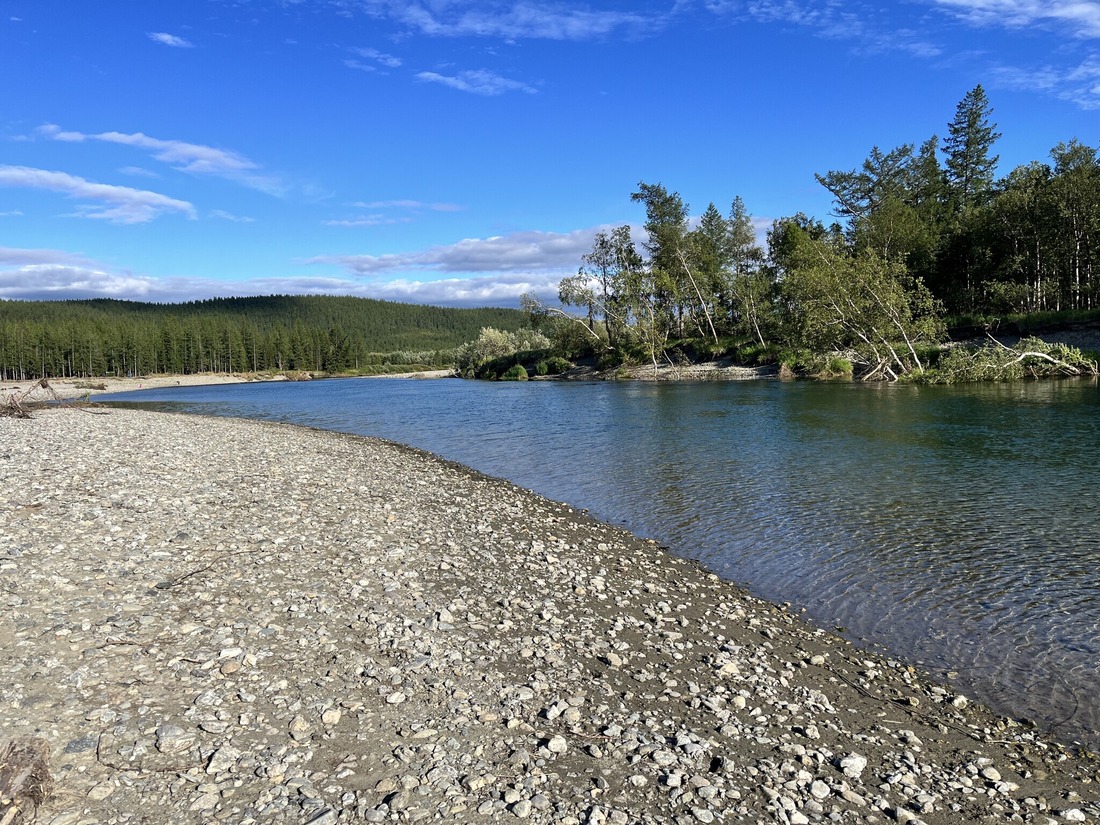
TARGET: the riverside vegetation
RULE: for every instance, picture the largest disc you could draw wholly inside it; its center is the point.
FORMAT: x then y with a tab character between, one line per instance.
925	247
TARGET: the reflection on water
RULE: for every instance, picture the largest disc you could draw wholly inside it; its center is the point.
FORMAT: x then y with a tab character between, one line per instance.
956	527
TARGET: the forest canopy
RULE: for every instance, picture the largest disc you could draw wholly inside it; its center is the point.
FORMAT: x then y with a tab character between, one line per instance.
274	333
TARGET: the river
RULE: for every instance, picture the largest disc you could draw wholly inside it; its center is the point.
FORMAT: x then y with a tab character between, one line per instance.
954	527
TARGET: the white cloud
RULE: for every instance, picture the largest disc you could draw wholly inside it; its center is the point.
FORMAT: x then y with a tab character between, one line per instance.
514	21
478	82
410	204
31	274
387	60
221	214
170	40
48	274
187	157
1080	17
15	256
367	220
117	204
487	290
1078	84
521	252
413	207
870	31
14	213
138	172
363	67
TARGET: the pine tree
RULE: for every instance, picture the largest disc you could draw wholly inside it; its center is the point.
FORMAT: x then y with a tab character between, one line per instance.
970	138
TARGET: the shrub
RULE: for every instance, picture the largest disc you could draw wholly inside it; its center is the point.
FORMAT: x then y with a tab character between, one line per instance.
515	373
556	365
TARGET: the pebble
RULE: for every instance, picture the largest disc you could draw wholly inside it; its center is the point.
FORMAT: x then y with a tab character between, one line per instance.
224	621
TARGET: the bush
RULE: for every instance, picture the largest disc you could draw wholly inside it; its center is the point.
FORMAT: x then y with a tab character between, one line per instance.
556	365
515	373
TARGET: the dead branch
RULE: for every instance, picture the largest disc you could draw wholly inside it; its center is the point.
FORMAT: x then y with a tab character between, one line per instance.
25	779
17	405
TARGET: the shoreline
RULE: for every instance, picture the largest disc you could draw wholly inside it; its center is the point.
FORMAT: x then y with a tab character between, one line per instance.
228	619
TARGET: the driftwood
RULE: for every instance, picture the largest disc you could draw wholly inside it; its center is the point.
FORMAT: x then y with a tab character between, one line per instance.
25	779
16	406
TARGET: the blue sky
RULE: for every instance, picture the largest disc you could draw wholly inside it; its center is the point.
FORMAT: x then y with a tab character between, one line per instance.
462	152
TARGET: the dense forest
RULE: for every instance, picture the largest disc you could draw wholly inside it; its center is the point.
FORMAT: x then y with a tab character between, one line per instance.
922	235
282	333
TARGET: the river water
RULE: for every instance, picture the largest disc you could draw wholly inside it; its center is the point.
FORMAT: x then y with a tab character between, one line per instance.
957	528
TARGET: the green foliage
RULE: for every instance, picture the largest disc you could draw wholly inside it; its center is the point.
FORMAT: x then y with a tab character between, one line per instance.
515	373
554	365
495	351
274	333
1030	358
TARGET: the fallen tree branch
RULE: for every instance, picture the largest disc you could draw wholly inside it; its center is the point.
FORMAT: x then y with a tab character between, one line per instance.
25	779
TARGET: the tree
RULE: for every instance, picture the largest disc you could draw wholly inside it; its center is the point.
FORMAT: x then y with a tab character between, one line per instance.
668	247
864	302
970	137
1075	192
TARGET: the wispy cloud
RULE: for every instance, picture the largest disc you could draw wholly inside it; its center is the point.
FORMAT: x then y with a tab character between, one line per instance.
416	206
170	40
187	157
221	214
869	30
521	252
387	60
478	82
16	256
116	204
367	220
514	21
138	172
411	209
1080	18
1077	84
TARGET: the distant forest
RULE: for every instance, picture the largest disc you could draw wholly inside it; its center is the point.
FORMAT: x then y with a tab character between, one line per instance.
273	333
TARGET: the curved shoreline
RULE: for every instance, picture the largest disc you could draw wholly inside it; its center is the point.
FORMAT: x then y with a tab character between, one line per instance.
219	618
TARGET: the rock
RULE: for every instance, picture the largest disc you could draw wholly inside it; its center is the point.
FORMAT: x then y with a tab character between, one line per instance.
853	765
557	744
522	808
174	739
223	759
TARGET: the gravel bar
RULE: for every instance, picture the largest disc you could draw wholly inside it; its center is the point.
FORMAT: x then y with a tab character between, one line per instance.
217	620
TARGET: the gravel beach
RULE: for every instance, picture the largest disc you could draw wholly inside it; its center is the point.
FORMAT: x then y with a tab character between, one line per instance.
217	620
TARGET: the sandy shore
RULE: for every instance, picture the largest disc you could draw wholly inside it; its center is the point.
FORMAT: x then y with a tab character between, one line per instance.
69	388
224	620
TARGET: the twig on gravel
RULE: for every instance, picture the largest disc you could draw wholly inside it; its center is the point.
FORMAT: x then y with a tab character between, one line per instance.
175	581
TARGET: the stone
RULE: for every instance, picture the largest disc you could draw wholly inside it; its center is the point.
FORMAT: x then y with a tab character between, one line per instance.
853	765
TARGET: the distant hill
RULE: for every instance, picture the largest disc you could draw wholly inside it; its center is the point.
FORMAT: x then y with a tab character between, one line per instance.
276	332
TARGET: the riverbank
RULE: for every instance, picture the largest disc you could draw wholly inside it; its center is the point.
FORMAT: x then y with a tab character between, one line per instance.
72	388
226	620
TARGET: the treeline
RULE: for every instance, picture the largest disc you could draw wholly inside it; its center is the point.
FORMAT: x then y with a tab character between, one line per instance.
272	333
924	233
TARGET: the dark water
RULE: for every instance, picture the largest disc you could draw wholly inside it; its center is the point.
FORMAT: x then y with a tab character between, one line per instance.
954	527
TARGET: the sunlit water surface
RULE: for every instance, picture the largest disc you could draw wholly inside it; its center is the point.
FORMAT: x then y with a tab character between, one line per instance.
955	527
